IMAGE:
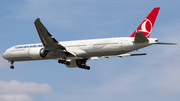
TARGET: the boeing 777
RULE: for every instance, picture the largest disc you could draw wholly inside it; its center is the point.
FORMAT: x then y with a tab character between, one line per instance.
76	53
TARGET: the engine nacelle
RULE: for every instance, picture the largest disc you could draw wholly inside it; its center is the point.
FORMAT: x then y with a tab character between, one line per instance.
37	53
43	52
34	53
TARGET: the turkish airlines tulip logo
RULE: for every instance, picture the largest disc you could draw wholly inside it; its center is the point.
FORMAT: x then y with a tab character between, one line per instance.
146	27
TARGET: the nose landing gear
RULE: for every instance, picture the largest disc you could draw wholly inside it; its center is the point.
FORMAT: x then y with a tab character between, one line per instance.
12	67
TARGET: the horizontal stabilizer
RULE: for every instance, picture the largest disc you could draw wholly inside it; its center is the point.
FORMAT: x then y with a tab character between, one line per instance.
162	43
124	55
138	54
139	38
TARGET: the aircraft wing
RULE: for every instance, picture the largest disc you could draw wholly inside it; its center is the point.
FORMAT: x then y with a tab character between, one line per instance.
47	39
49	42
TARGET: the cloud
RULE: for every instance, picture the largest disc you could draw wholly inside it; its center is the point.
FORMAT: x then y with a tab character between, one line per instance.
18	91
15	98
167	79
141	84
16	87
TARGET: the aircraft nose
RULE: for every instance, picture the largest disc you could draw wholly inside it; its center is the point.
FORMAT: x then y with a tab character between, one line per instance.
4	55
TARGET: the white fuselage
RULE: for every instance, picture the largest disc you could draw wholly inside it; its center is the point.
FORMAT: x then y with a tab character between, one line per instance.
81	48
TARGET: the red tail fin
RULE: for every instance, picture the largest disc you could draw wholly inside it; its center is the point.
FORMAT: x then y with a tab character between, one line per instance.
146	26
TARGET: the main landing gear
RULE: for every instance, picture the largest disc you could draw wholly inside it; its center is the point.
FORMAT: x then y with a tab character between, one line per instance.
82	64
63	61
12	67
84	67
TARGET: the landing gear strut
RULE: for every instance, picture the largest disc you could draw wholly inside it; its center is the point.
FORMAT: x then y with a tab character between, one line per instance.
63	61
12	67
82	64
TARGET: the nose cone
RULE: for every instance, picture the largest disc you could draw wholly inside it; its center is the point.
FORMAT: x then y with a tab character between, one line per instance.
4	55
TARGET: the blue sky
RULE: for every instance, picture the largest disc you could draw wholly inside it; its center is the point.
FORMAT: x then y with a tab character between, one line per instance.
154	77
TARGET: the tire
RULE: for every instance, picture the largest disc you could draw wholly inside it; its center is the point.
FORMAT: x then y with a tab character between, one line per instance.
12	67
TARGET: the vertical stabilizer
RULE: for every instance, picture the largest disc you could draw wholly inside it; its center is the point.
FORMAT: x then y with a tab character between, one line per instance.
146	26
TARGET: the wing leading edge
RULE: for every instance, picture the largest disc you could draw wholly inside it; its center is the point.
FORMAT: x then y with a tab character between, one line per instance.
47	39
49	42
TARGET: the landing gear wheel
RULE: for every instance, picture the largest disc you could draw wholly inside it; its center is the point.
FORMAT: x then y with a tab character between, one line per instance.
12	67
67	63
63	61
82	66
81	63
87	67
59	61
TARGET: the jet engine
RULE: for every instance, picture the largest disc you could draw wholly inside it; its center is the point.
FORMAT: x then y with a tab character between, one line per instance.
43	52
38	53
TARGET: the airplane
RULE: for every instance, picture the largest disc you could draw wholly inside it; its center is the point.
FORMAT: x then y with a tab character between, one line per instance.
76	53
